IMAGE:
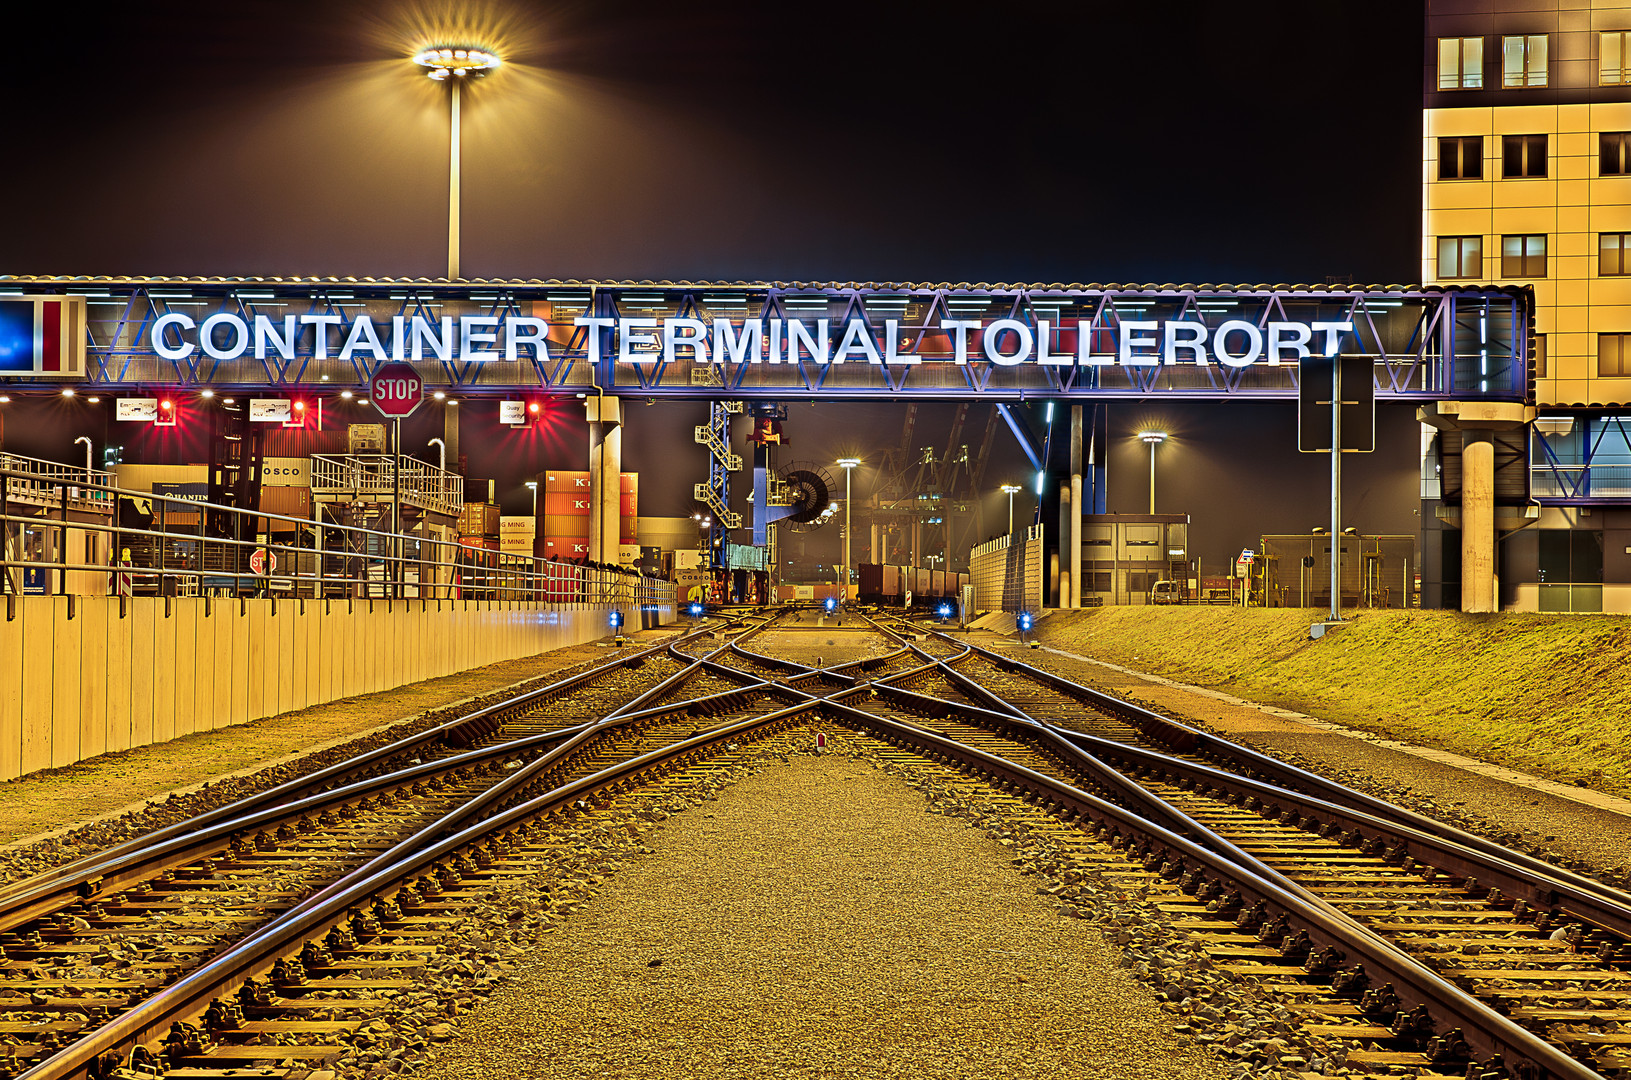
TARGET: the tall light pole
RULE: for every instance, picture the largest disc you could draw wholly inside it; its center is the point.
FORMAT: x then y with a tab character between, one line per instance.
441	453
1010	489
848	464
453	64
1154	438
86	439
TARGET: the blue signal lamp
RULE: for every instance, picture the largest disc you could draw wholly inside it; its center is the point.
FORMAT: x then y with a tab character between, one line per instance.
945	611
831	603
1024	621
697	611
616	619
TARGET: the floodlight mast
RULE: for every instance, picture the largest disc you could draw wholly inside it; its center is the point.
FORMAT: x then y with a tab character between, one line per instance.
1154	439
847	464
453	64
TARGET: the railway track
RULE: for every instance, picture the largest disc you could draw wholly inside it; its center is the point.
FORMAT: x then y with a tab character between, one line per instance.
1423	948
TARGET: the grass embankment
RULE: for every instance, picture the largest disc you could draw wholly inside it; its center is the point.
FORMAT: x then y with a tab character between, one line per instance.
1545	694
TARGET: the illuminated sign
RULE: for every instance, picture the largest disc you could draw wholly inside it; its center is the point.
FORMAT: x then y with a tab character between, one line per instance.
270	410
42	336
1006	342
140	408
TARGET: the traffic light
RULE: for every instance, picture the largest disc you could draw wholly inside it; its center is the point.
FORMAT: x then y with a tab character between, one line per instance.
1314	403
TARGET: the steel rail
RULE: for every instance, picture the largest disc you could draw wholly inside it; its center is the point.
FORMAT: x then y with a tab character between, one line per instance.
465	728
256	953
1483	1028
1188	739
1440	852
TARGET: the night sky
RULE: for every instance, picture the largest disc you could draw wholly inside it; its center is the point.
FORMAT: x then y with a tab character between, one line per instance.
1271	142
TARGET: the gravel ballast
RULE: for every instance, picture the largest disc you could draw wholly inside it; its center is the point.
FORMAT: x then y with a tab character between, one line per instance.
815	920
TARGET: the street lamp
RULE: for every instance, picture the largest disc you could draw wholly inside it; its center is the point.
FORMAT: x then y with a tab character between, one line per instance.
86	439
533	484
847	464
1154	438
441	454
1010	489
453	64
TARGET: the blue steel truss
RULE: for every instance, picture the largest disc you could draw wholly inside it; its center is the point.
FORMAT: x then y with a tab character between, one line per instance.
1439	342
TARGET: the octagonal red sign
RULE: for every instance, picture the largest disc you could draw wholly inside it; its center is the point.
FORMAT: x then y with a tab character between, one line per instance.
396	390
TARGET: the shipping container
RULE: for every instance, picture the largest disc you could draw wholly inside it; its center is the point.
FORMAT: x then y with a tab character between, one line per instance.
478	519
937	583
920	584
566	547
566	504
577	525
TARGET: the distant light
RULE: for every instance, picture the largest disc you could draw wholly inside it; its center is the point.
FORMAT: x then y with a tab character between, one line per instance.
229	401
206	394
1153	437
453	403
1009	489
325	378
167	404
345	395
533	484
945	611
1041	477
300	406
616	619
533	408
849	462
1024	620
1050	412
93	399
5	399
439	396
67	391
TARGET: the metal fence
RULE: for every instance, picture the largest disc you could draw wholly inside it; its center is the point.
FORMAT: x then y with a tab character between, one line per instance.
1007	572
386	475
186	547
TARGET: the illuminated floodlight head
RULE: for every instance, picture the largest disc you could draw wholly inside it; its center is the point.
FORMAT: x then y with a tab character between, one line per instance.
848	462
1153	437
1009	489
445	62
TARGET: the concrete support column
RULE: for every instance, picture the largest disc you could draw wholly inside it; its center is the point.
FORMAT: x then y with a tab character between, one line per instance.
450	433
605	416
1063	559
1478	591
872	548
1073	535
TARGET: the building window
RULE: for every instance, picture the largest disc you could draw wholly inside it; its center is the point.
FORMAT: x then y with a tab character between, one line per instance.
1523	256
1613	254
1523	60
1523	156
1613	58
1614	153
1461	63
1540	356
1461	158
1461	256
1614	354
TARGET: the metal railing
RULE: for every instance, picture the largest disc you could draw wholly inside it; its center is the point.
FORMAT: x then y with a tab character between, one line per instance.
384	476
1580	481
190	548
43	483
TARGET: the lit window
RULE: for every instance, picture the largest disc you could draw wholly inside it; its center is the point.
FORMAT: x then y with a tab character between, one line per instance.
1614	58
1523	61
1523	256
1461	256
1461	158
1614	354
1614	153
1461	63
1523	156
1613	254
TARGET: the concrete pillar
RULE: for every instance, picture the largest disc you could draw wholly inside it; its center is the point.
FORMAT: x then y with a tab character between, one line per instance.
1064	579
1478	591
872	548
450	433
1074	534
605	416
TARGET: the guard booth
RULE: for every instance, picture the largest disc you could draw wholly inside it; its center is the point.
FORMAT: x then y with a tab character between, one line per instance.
1124	555
1377	571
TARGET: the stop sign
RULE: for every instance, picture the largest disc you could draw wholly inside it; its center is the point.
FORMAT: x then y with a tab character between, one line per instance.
396	390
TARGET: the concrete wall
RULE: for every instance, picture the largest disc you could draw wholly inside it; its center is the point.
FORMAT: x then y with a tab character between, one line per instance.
73	688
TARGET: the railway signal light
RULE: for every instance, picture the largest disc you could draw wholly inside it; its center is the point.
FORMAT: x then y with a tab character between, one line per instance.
831	604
